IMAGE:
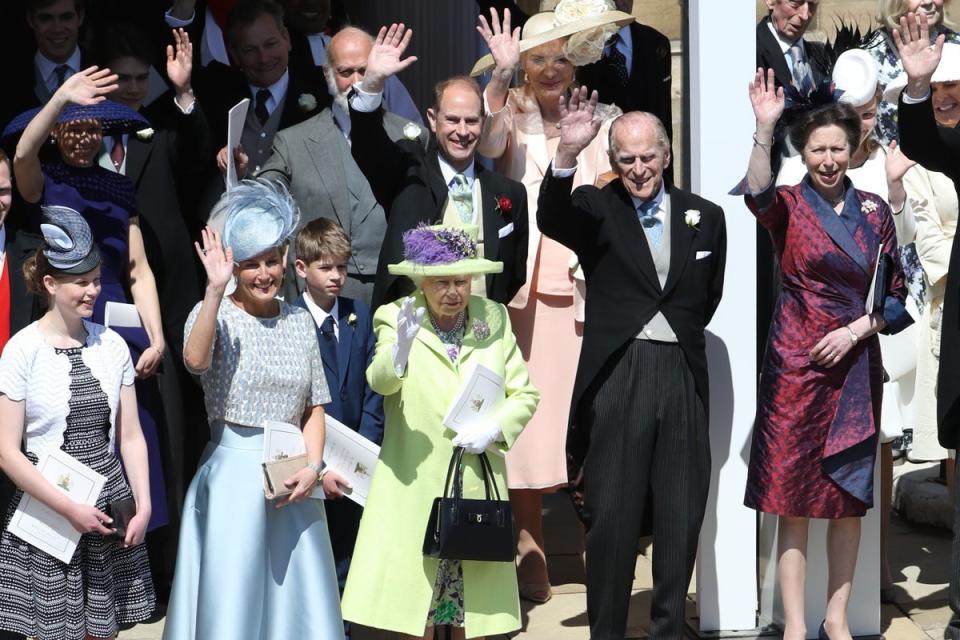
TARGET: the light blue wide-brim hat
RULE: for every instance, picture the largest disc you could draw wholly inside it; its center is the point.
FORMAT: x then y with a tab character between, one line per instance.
255	216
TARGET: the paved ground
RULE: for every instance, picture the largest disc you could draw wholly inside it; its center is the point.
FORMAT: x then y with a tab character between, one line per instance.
919	555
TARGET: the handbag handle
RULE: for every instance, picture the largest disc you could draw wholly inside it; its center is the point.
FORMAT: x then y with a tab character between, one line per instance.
454	471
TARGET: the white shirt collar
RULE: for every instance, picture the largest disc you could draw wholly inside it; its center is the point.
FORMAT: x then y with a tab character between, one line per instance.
783	42
659	199
318	47
277	91
48	68
449	172
319	315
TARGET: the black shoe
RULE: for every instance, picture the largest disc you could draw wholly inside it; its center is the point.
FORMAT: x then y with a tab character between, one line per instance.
822	633
902	444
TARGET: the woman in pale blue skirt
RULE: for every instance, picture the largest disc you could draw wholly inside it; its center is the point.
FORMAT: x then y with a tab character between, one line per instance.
247	567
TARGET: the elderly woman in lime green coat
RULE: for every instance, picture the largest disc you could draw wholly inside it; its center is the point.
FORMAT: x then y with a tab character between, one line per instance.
419	370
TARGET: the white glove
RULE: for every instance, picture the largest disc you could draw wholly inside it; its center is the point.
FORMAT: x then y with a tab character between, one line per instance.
478	437
409	321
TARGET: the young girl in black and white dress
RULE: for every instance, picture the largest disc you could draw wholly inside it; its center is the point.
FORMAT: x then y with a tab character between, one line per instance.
67	383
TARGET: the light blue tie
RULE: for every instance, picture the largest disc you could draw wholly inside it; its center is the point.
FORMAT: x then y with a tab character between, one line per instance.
647	211
462	196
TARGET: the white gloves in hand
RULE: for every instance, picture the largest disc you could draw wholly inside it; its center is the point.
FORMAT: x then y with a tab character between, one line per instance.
478	437
409	321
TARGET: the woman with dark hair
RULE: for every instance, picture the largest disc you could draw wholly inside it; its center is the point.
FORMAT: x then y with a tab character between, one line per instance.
66	387
815	437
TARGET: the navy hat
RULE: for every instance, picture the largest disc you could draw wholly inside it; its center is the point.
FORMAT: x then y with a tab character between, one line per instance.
67	241
114	118
255	216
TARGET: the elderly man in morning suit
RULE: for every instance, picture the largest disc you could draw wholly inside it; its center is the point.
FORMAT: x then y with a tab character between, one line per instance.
314	159
654	259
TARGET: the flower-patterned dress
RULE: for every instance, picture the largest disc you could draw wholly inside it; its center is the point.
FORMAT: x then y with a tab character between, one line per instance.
446	607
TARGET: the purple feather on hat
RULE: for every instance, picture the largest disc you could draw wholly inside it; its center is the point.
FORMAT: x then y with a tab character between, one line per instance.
427	247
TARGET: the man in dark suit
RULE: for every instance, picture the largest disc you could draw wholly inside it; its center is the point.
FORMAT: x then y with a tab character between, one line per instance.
447	186
782	47
55	26
937	149
280	97
345	333
654	259
166	164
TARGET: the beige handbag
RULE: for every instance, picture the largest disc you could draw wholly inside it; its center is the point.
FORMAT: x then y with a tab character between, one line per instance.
276	472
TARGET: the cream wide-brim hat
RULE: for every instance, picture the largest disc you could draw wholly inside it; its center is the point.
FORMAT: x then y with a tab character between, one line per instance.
542	27
947	71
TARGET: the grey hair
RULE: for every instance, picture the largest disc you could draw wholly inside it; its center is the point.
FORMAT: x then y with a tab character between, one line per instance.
663	139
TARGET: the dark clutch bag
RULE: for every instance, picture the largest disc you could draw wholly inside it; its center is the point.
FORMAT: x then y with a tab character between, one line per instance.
122	512
466	529
881	285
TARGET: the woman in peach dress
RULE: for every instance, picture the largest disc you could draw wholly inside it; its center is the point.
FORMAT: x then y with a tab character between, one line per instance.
521	133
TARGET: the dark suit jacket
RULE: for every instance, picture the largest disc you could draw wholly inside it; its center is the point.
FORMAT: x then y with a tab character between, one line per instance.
413	191
770	56
938	149
219	87
353	402
602	227
166	171
21	243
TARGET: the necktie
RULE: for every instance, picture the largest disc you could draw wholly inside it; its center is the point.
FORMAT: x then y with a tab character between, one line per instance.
462	196
800	69
117	153
618	62
261	107
61	71
330	339
652	225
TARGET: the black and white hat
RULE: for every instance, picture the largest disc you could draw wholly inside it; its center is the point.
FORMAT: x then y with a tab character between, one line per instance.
67	241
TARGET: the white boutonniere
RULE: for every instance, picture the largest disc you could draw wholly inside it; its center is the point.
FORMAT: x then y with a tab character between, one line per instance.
411	131
352	319
692	218
145	134
307	102
868	206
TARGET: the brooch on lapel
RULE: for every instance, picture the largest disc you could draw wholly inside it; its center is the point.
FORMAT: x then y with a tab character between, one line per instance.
145	134
868	206
504	206
352	319
692	218
411	131
480	329
307	102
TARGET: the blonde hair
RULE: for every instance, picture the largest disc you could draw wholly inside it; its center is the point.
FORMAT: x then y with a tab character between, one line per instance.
889	13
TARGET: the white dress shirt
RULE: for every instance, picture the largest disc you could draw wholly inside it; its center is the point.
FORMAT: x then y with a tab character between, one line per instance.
318	47
786	44
277	92
319	315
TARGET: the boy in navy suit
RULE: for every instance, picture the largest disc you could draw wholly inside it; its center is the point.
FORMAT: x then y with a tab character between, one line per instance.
345	332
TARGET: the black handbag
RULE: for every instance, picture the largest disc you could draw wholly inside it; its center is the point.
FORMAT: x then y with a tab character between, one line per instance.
464	529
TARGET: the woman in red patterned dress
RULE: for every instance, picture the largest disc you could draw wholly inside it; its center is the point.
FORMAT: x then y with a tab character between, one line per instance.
815	438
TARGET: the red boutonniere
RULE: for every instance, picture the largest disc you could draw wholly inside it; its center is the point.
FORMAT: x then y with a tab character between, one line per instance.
504	205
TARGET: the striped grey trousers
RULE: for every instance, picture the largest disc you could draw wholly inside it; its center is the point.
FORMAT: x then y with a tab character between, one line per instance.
649	449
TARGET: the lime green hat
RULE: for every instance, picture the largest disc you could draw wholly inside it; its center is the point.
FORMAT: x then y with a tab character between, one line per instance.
440	250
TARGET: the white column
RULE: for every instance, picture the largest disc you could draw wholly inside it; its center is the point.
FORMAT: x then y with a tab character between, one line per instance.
721	42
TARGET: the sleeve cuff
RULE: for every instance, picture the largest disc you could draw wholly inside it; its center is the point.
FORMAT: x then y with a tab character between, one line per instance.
363	101
175	23
896	316
908	99
562	173
185	111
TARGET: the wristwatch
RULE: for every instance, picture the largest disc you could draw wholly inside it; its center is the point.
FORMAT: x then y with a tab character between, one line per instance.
853	335
317	469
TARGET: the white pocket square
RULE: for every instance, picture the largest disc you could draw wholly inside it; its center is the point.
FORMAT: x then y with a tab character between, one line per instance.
703	254
505	230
